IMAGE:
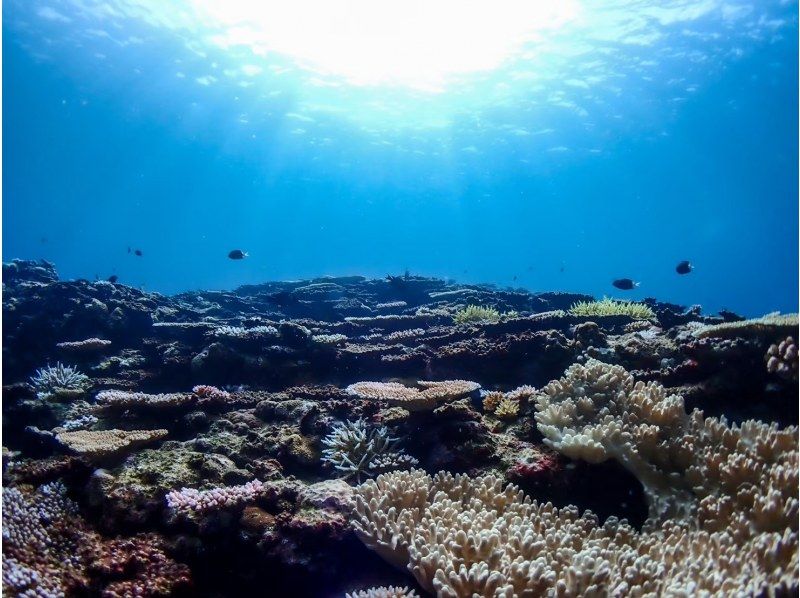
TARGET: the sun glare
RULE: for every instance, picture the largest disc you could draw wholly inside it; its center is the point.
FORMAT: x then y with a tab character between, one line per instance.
416	43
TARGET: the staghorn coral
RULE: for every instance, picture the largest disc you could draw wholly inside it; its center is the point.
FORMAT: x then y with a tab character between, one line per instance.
782	359
384	592
609	307
476	313
59	381
771	323
357	451
191	502
103	443
413	399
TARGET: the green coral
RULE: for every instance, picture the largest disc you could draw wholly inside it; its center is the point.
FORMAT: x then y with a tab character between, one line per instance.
476	313
610	307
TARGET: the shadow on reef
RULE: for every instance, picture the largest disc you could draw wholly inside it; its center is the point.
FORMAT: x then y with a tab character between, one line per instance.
209	443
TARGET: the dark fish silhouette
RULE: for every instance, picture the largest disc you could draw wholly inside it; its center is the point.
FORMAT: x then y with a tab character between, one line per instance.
684	267
237	254
625	284
129	249
137	252
113	278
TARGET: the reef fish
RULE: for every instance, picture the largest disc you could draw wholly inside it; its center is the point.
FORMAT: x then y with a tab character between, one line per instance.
625	284
138	252
237	254
113	278
684	267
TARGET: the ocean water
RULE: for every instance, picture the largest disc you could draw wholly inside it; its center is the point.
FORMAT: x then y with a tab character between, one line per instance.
553	149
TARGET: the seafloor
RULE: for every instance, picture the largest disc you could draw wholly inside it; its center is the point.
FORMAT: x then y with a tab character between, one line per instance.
285	439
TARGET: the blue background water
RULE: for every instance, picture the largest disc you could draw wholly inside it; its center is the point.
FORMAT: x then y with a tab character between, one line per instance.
676	139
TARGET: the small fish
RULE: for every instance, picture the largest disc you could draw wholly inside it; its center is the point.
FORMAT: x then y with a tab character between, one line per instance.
684	267
113	278
129	249
237	254
625	284
514	278
137	252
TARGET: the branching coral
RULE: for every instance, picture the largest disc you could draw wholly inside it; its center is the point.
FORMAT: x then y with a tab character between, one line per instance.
329	339
476	313
685	462
241	333
723	506
782	359
191	502
507	408
491	400
36	558
768	324
414	399
609	307
356	450
59	381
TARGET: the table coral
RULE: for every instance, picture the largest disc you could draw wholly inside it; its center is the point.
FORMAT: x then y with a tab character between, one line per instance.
103	443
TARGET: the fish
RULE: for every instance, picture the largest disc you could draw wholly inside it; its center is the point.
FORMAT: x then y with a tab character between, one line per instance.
625	284
237	254
113	278
137	252
684	267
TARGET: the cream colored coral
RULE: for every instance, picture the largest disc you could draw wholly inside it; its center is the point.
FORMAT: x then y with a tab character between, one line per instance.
508	408
492	400
723	506
410	398
773	322
100	443
782	359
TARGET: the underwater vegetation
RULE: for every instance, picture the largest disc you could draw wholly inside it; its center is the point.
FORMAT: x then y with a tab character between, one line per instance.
354	440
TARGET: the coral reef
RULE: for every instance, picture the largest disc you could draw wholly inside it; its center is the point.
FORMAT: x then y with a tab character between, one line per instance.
215	442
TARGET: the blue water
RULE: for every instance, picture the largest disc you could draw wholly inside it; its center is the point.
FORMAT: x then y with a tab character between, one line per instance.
628	137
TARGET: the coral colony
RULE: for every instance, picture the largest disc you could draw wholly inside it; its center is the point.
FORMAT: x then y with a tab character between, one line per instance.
395	437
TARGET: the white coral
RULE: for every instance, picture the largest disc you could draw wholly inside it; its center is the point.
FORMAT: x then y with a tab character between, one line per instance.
60	379
357	450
